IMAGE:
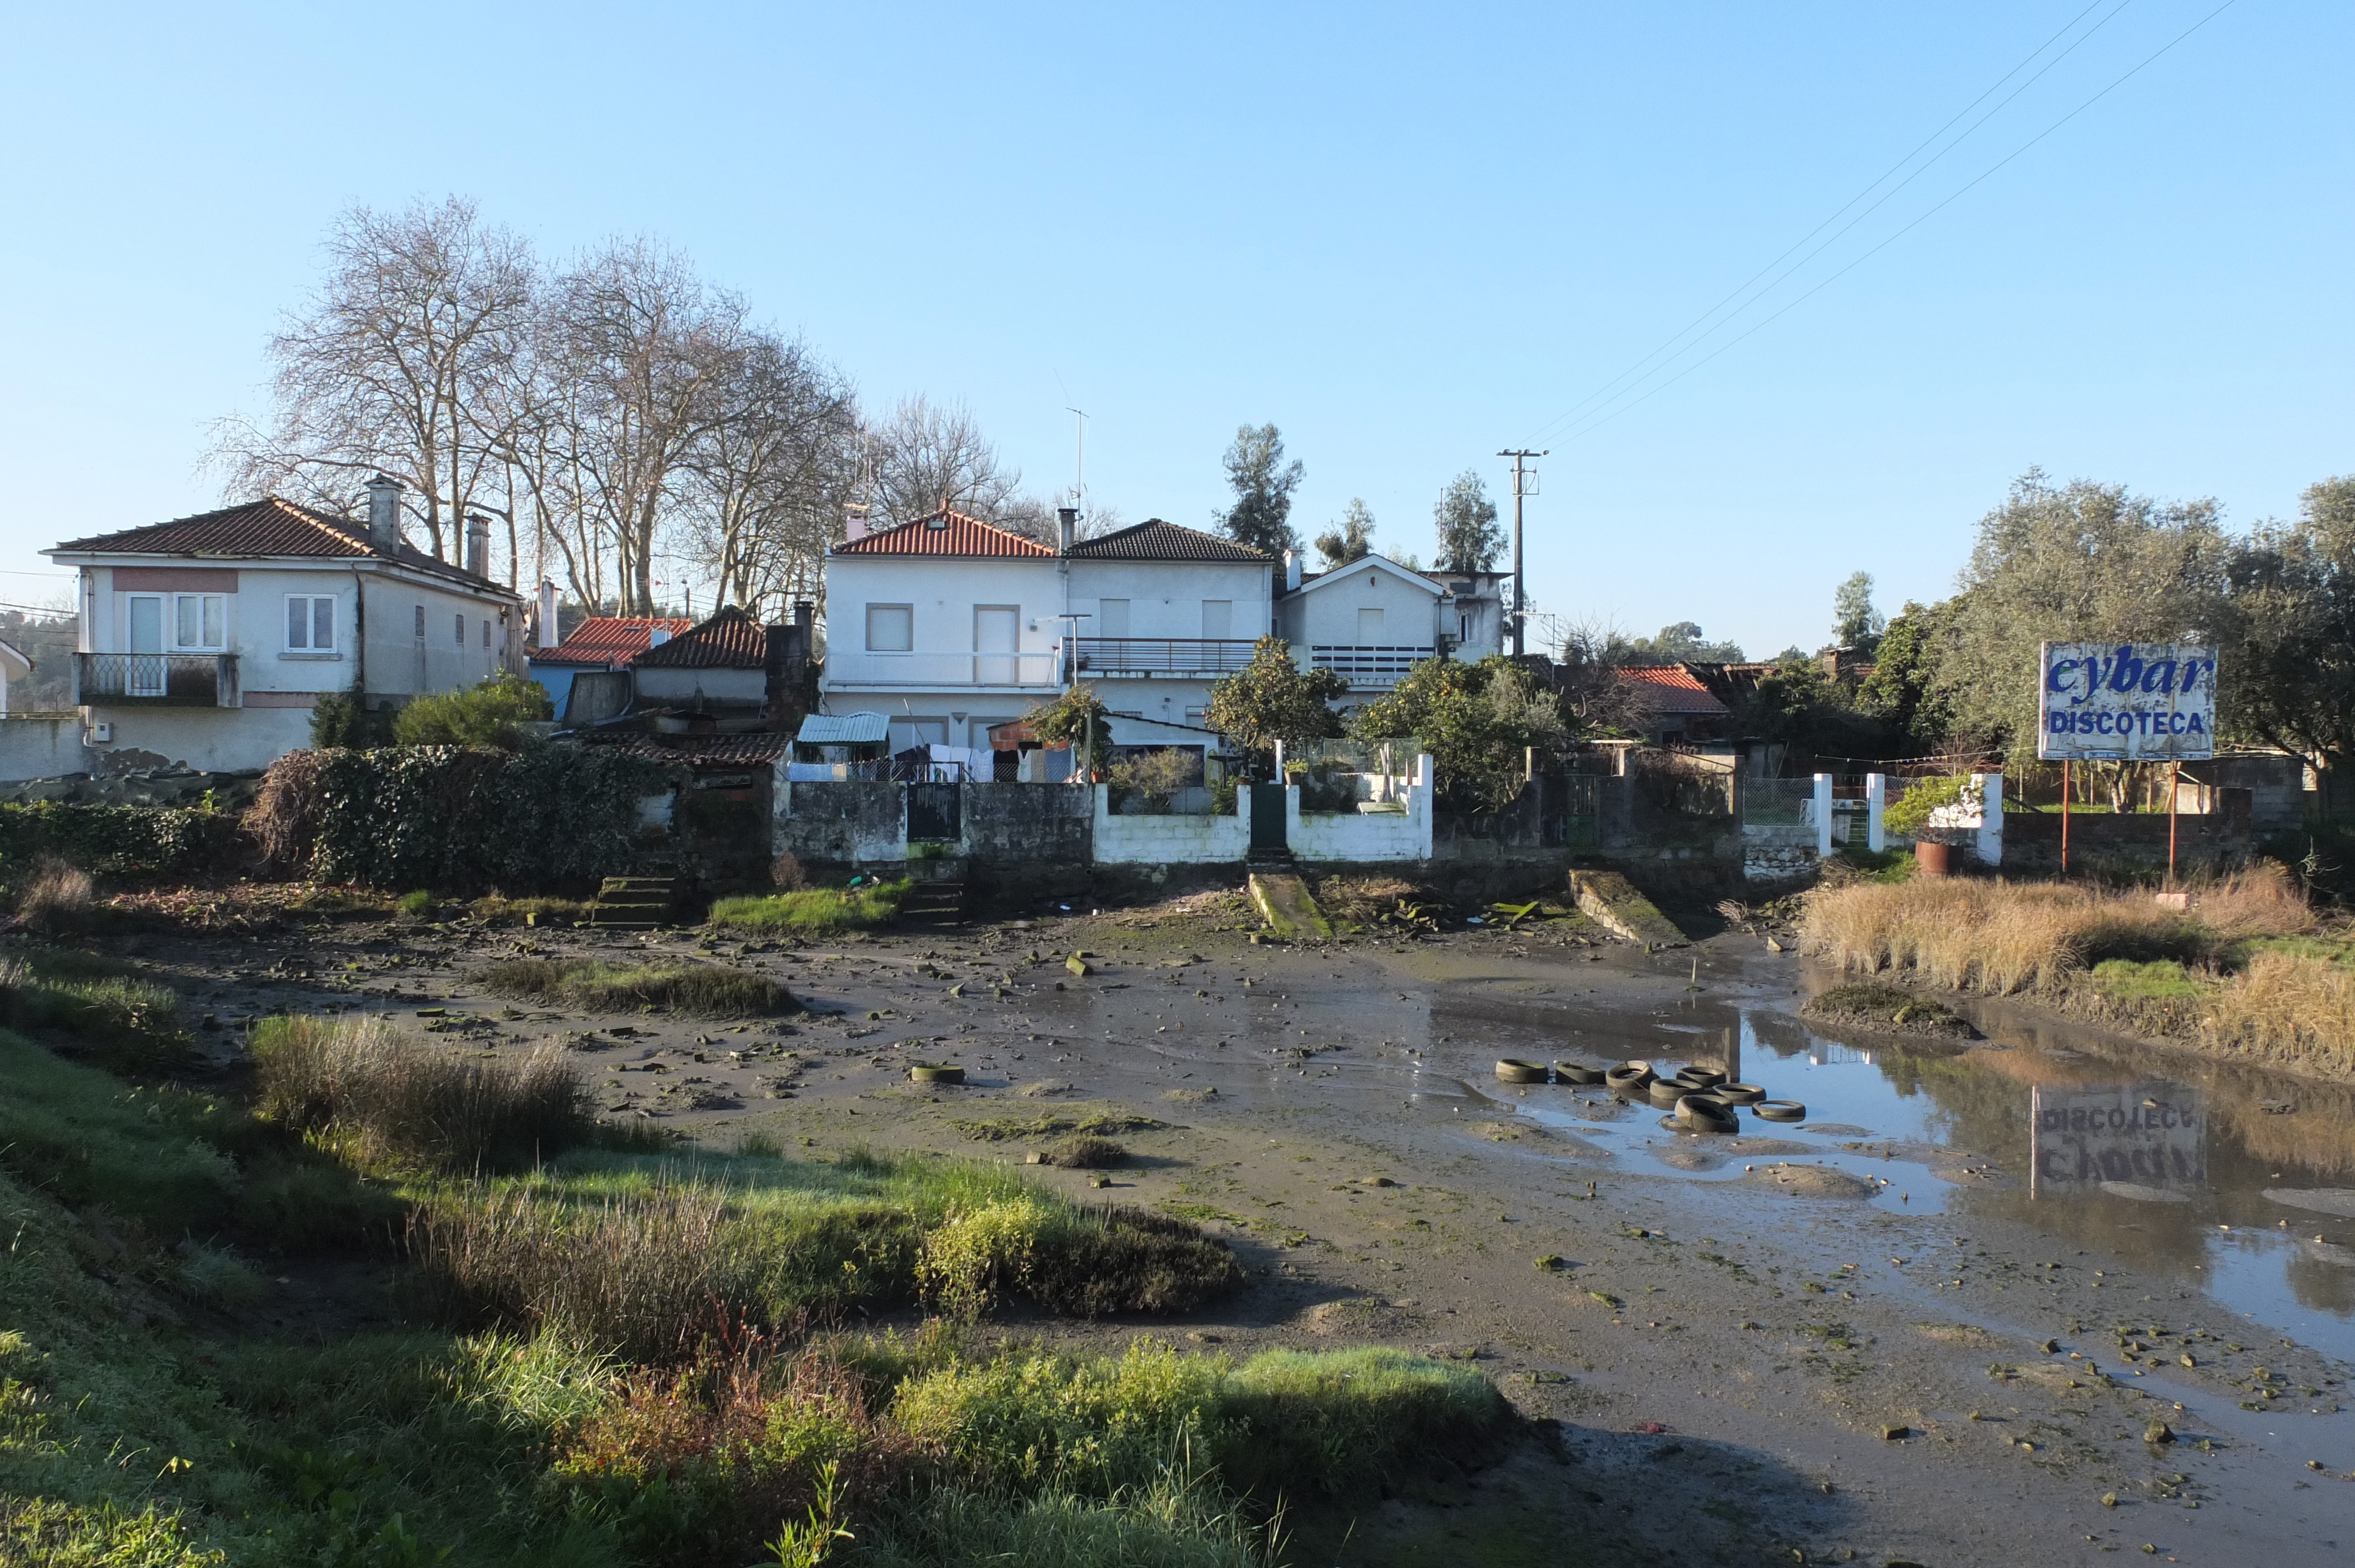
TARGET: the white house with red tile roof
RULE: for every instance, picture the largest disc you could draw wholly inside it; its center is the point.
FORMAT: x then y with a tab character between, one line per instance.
949	625
207	642
602	644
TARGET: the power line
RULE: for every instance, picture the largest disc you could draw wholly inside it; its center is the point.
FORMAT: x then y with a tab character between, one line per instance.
1602	391
1595	424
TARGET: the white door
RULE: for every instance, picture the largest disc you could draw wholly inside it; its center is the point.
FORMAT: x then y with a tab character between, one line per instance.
145	676
996	639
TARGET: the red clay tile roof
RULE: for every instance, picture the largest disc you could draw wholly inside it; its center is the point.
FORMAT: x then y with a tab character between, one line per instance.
1672	689
271	526
944	533
1154	540
731	640
611	639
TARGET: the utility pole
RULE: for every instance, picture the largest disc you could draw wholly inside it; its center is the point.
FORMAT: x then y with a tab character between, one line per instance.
1525	482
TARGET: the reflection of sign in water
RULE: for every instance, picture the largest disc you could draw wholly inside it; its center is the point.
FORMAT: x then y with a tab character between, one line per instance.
2148	1135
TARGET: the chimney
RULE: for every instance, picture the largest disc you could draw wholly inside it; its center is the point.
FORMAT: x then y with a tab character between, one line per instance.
384	514
805	617
478	544
1067	528
855	527
547	627
1292	571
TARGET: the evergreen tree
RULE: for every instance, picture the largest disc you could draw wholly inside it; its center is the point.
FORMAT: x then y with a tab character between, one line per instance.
1261	516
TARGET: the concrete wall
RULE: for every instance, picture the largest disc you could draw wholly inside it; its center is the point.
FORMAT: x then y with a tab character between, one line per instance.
854	823
1143	840
40	746
1364	837
221	740
1016	826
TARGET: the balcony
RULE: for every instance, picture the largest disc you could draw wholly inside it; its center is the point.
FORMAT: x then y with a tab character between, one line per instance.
858	668
1118	657
1364	665
162	679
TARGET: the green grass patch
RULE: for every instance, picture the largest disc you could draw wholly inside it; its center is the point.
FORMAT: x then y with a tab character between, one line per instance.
498	909
1886	1008
97	1007
812	911
1877	865
671	985
2159	980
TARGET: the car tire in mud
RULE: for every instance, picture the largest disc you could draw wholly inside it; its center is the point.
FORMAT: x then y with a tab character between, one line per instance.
1701	1077
925	1074
1780	1110
1513	1070
1576	1072
1665	1091
1706	1113
1739	1093
1628	1078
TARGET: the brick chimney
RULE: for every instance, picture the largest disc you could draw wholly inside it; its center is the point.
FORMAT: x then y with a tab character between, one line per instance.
478	545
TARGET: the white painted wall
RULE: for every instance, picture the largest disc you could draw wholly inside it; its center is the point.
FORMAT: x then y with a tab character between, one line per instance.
1122	839
1164	597
1363	835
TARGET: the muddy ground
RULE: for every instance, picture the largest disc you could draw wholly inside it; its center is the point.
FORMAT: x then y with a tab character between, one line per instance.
1786	1364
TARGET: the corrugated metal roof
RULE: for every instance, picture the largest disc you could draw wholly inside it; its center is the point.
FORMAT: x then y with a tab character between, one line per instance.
731	640
944	533
1671	689
611	639
271	526
1155	540
843	730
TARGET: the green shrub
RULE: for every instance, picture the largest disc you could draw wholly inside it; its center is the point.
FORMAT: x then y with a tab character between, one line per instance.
1179	1520
1306	1422
341	719
1910	812
812	911
416	904
676	985
489	715
406	1103
113	841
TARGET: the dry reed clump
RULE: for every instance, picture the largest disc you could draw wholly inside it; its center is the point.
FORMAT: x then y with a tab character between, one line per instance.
2287	1009
645	1277
785	873
58	901
2004	936
285	817
401	1101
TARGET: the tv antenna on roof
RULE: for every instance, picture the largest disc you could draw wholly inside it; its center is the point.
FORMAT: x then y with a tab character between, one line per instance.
1080	480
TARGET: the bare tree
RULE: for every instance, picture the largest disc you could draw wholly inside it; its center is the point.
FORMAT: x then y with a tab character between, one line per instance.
930	455
383	369
771	480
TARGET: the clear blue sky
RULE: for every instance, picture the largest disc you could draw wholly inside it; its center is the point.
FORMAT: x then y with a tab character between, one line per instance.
1408	236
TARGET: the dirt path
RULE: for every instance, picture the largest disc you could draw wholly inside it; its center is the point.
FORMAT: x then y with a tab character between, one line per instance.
1726	1359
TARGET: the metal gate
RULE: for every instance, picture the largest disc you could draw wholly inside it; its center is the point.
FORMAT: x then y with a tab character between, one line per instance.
1267	817
935	813
1581	809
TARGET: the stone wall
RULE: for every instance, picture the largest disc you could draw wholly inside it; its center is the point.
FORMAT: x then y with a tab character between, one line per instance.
854	823
1774	852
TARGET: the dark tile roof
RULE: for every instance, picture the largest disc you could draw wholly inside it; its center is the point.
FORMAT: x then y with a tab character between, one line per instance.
611	639
760	748
944	533
731	640
1154	540
271	526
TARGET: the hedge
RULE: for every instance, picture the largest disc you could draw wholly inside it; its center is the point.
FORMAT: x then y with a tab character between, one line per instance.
115	841
456	817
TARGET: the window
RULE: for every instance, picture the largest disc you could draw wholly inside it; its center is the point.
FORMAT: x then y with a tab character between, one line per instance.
487	634
200	620
891	628
1217	619
310	623
420	624
460	622
1112	617
1370	628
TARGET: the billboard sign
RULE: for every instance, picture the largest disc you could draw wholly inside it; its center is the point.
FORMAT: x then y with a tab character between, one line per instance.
2132	702
2140	1137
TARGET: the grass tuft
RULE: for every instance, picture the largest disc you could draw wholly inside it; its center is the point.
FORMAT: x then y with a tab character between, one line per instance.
706	991
1084	1154
404	1103
812	911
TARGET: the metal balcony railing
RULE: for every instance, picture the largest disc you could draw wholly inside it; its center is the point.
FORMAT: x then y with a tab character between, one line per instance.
1163	655
1368	664
176	680
858	667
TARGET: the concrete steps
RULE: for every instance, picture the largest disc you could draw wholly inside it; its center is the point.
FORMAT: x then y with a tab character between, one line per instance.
635	903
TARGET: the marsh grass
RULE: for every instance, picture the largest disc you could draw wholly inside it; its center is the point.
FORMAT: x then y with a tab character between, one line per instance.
707	990
649	1255
498	909
812	911
58	901
1084	1154
355	1080
97	1007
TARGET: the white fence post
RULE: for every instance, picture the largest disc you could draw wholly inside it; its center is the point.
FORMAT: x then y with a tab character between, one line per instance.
1823	816
1990	837
1876	802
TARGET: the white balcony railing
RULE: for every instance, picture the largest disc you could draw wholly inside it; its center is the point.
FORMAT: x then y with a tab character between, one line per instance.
1118	656
1367	664
934	671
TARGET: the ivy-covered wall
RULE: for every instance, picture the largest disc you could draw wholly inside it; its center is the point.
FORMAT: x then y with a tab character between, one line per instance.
457	818
115	841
